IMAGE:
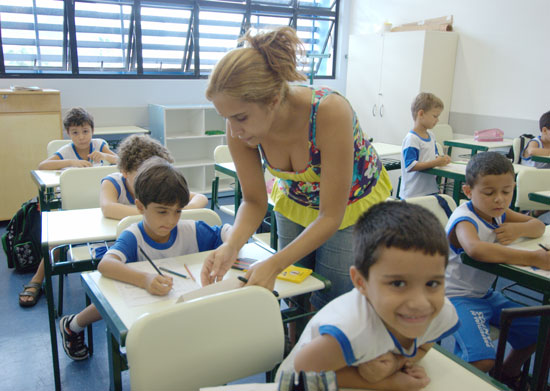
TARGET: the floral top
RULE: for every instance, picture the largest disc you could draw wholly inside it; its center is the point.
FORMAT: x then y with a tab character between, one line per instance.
297	194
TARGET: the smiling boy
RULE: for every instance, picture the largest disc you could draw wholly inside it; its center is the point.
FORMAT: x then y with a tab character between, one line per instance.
373	335
481	228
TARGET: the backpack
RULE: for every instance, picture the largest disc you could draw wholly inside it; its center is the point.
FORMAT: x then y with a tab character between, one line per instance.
21	241
523	141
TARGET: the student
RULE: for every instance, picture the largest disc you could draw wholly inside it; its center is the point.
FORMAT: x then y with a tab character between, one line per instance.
419	149
161	193
117	192
539	146
482	228
373	335
83	151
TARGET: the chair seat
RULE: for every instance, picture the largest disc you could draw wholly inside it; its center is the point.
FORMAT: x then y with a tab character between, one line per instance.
228	209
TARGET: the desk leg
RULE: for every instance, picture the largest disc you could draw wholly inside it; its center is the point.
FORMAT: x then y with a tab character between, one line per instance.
543	326
51	315
115	363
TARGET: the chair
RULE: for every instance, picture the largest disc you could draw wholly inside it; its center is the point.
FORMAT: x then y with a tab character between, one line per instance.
432	204
207	215
516	150
80	187
221	155
442	133
54	145
506	318
206	342
529	181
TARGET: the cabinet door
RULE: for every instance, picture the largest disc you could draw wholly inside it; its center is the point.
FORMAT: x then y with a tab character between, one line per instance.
400	83
363	80
24	140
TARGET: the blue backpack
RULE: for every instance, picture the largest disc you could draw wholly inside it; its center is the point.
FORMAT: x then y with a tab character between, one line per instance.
21	241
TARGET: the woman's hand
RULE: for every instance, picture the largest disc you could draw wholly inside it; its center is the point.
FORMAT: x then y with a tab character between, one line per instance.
217	264
263	273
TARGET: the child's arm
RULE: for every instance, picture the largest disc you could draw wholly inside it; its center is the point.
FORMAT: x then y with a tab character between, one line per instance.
441	160
381	367
107	155
196	201
55	163
534	150
111	266
421	352
111	208
465	236
518	225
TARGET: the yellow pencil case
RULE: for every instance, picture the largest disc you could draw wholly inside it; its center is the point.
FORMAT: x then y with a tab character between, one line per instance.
294	274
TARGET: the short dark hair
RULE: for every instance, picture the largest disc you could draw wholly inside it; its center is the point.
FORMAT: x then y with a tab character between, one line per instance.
487	163
77	116
160	182
136	149
399	225
544	121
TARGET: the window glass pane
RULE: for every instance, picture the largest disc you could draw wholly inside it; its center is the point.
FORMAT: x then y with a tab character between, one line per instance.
32	34
219	32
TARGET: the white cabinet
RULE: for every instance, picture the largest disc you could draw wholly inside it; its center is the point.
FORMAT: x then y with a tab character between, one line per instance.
184	130
386	72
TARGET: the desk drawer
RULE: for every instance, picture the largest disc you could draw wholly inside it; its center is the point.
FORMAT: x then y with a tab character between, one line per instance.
29	102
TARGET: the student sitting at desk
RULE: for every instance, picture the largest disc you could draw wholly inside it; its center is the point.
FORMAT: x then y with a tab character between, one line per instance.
83	151
419	149
117	190
161	193
539	146
373	335
481	228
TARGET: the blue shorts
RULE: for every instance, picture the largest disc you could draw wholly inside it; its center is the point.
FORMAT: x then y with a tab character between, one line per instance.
476	314
332	260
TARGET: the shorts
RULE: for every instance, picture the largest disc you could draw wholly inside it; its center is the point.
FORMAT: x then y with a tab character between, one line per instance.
473	342
332	260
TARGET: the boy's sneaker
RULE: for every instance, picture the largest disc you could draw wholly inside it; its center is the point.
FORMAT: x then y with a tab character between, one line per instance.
73	343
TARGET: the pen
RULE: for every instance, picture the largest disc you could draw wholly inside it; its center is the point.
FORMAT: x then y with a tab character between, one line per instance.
241	278
150	261
543	247
172	272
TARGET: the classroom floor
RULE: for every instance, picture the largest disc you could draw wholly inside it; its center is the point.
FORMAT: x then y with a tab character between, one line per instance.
25	353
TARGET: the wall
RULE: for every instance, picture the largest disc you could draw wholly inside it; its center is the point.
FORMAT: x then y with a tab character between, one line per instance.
502	72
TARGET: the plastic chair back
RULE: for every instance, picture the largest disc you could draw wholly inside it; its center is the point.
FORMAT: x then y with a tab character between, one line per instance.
80	187
516	150
442	133
206	342
54	145
432	204
529	181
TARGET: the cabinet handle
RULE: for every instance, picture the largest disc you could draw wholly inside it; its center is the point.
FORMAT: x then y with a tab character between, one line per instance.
381	110
374	110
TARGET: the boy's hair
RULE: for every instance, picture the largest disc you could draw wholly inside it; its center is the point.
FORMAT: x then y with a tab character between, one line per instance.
77	116
136	149
158	181
544	121
425	101
396	224
487	163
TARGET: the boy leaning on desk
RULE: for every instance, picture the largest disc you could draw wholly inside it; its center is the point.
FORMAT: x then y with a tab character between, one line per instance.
419	150
482	228
161	193
373	335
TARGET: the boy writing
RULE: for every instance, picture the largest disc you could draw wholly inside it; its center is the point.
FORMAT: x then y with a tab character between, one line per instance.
539	146
373	335
419	149
481	228
161	193
83	151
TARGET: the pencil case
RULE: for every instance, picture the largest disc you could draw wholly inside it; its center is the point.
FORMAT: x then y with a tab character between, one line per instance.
294	274
489	135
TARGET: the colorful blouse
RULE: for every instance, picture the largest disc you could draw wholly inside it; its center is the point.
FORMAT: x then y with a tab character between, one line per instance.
297	194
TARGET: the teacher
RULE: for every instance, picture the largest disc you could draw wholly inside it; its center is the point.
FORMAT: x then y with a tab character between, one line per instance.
310	139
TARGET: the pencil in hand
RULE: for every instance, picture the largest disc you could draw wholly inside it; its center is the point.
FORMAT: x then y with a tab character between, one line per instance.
150	261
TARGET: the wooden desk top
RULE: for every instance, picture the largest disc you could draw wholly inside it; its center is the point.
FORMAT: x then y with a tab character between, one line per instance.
104	130
384	149
46	178
460	168
469	142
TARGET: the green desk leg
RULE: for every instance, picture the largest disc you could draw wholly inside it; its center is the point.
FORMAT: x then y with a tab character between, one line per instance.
115	362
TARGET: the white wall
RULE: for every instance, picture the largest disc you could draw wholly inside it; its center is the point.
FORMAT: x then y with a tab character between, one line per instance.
502	65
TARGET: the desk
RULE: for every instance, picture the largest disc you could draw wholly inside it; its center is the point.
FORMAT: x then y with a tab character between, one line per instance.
114	134
540	196
384	151
446	371
119	316
541	159
69	227
477	146
457	172
537	280
47	182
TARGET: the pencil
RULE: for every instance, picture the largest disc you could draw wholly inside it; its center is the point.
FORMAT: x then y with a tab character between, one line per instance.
189	271
543	247
245	280
150	261
172	272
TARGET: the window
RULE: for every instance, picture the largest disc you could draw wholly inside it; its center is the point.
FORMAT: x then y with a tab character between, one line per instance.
146	38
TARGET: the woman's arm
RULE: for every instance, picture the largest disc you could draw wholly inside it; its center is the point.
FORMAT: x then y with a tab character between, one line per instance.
111	208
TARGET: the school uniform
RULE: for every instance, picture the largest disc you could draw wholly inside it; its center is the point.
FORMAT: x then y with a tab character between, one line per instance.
417	149
121	185
528	161
68	151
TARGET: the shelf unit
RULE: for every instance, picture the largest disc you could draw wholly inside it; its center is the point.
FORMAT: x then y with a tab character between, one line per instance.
182	129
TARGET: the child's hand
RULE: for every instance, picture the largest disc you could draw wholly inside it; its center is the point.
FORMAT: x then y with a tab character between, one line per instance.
411	378
507	233
381	367
80	163
544	262
158	285
96	156
442	160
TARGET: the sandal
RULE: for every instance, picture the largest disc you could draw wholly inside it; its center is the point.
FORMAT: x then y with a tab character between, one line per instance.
34	294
